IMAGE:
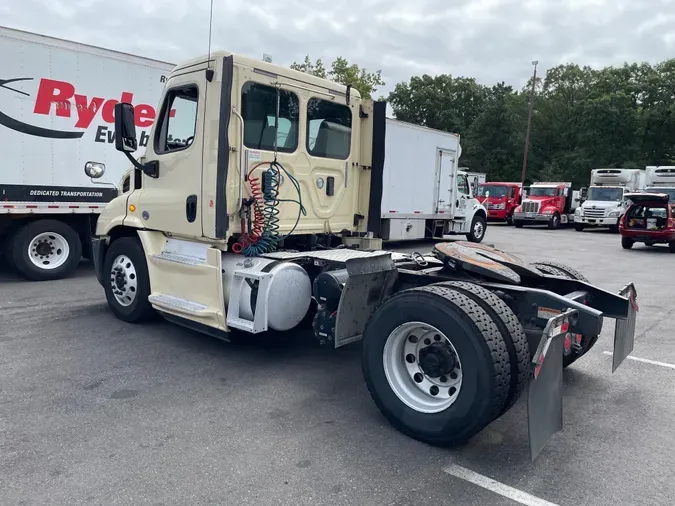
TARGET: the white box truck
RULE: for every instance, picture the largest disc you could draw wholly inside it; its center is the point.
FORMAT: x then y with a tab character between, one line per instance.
604	203
57	100
424	194
661	179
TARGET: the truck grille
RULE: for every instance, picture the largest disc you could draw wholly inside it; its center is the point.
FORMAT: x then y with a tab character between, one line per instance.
530	207
594	213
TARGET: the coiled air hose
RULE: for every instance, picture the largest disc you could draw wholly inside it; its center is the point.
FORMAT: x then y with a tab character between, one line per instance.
264	234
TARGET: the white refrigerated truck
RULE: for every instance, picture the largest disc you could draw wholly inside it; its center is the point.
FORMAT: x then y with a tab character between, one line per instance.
425	194
605	203
57	101
661	179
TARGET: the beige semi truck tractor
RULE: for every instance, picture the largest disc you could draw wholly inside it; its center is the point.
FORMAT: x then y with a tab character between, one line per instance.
256	207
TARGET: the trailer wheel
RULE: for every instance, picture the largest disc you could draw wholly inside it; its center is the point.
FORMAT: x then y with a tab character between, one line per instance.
477	231
511	331
46	249
563	270
126	281
555	221
436	364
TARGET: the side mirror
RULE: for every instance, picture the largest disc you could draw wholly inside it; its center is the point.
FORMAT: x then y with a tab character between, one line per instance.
583	192
125	129
487	194
94	169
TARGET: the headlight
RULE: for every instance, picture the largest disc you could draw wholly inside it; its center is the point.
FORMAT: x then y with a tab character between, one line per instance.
547	211
499	206
613	214
579	211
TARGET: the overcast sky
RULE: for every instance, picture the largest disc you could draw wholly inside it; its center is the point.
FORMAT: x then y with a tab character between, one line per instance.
491	40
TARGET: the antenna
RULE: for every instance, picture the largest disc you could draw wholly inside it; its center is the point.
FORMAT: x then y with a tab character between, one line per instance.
209	70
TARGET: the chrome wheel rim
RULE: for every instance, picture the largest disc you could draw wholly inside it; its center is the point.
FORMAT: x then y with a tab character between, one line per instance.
123	280
48	250
422	367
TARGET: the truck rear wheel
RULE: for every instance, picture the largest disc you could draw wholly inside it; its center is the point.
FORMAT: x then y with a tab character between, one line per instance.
563	270
477	231
511	331
126	281
436	364
45	249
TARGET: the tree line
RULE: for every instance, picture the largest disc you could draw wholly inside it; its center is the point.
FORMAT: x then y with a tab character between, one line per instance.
583	118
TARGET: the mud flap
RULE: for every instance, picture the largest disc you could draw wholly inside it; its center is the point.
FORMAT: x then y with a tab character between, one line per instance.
544	397
624	330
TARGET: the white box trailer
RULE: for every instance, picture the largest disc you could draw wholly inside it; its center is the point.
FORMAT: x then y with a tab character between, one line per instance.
425	195
57	101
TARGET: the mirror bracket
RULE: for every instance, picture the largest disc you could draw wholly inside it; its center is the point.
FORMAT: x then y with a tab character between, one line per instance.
150	169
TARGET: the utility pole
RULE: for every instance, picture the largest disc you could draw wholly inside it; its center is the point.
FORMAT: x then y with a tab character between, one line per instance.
529	122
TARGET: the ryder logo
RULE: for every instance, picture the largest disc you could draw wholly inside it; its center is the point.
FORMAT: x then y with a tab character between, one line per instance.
61	99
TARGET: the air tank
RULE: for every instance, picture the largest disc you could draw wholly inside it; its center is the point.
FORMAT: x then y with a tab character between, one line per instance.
290	292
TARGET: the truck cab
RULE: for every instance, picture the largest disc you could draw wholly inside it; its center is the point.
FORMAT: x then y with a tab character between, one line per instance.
500	199
605	201
551	203
261	211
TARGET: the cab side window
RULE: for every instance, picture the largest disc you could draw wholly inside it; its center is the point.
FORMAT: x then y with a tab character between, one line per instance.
178	120
329	129
259	110
463	184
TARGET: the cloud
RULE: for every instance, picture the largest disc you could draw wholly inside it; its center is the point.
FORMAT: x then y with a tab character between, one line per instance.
491	40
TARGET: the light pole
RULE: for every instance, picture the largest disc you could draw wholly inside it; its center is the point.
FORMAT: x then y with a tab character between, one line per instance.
529	122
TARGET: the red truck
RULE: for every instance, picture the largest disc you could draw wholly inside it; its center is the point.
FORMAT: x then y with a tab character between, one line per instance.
500	199
550	203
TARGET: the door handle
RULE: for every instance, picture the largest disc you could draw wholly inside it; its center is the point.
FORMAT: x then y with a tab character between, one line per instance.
191	208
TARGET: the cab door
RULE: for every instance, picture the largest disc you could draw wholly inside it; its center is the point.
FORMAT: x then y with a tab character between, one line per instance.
171	201
463	196
314	135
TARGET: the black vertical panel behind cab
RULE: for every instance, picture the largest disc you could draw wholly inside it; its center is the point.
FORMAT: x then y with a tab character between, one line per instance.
377	172
222	220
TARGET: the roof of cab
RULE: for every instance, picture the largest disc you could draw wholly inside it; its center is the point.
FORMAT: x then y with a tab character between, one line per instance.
272	68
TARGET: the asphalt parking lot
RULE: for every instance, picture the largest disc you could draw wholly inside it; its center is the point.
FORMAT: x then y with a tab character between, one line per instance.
96	411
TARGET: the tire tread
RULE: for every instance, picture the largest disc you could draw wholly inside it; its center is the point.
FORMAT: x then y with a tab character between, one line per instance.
512	334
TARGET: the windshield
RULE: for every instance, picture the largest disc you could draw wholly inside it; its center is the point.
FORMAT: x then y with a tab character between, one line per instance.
495	191
668	191
542	191
605	194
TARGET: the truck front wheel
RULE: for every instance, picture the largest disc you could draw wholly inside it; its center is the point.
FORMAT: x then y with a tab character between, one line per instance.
555	221
579	227
126	281
45	249
436	364
477	231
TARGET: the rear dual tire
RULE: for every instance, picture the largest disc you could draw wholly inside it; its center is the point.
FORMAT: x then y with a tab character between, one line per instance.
565	271
473	336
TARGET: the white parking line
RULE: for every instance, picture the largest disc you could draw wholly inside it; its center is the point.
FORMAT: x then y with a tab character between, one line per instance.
645	360
496	487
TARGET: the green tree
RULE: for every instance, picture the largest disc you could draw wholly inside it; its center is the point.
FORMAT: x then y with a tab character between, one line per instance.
342	72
